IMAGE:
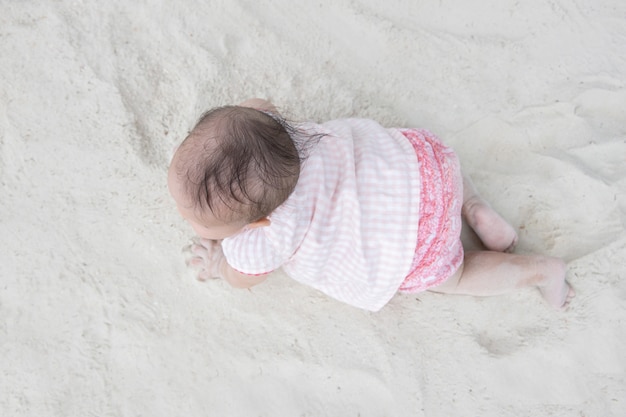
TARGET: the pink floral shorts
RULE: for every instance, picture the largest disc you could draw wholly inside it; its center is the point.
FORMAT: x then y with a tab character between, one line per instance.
439	251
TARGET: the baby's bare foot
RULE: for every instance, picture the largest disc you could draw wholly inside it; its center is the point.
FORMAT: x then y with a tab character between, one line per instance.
495	232
555	289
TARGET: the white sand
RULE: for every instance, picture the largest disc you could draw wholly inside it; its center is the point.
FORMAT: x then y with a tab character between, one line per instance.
98	315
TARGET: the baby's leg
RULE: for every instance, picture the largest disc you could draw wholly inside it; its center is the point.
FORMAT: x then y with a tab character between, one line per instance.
495	232
487	273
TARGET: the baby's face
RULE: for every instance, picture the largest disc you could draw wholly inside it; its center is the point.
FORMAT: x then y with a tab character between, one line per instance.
205	224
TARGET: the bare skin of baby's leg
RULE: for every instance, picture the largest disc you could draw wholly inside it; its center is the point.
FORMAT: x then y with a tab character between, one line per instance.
494	271
494	232
488	273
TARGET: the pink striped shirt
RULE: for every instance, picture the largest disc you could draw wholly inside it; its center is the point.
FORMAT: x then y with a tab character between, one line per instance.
349	229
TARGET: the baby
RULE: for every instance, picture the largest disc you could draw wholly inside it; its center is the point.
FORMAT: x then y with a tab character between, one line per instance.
358	211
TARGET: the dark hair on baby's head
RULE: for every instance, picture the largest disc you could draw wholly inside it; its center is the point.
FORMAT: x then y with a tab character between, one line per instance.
239	162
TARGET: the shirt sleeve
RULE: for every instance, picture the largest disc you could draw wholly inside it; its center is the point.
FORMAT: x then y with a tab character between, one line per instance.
250	252
262	250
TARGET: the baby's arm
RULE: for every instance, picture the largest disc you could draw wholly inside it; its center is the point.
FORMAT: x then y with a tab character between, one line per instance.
207	255
237	279
259	104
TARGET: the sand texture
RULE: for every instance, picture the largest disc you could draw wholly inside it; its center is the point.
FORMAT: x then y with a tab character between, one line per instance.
99	315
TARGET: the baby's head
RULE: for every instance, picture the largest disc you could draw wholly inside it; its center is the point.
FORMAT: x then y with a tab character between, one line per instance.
236	166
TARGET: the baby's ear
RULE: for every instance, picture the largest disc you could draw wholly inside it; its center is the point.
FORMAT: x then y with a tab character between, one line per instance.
263	222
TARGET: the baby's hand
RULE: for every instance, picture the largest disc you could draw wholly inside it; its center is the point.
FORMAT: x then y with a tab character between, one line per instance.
206	256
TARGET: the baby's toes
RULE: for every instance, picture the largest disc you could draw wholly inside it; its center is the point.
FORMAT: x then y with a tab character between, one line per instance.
513	245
